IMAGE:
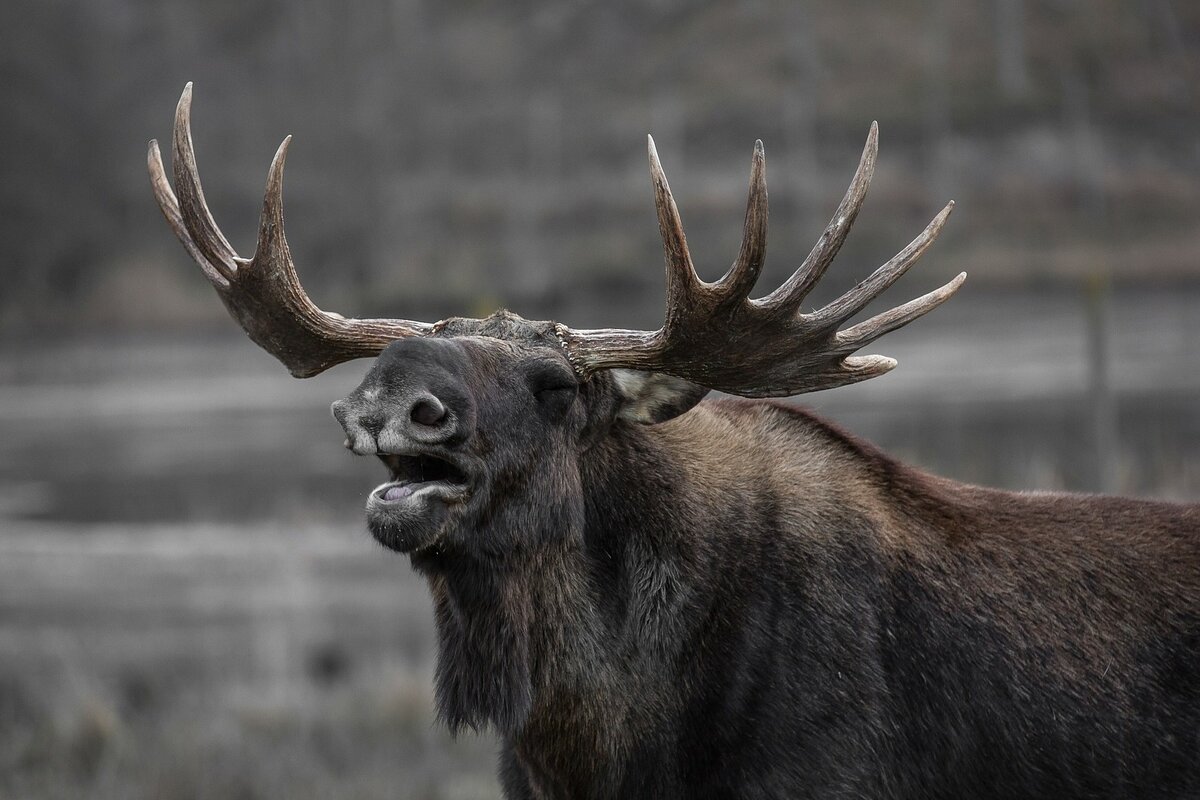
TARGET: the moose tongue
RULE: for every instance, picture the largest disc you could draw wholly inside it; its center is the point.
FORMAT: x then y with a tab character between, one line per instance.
398	492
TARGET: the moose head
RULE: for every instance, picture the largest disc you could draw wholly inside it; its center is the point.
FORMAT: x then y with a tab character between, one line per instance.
481	422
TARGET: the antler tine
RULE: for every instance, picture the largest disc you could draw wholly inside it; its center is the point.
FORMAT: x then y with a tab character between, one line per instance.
856	369
682	280
205	234
169	206
742	276
867	290
866	332
272	246
262	293
791	294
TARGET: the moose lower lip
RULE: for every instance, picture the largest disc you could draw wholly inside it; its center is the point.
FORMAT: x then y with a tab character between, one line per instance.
400	492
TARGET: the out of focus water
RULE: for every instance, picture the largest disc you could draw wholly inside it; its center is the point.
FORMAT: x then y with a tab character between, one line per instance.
189	605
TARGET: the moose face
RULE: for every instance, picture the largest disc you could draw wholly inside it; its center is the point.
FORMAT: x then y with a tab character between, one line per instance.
481	428
466	426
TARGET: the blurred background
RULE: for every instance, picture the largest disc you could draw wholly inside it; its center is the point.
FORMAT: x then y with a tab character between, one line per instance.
190	606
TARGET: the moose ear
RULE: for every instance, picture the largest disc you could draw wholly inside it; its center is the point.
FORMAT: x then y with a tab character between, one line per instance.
650	397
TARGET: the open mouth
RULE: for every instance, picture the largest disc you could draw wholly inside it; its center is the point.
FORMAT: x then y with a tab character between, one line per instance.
420	474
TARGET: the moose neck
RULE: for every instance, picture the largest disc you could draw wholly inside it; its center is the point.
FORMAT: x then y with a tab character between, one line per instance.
514	629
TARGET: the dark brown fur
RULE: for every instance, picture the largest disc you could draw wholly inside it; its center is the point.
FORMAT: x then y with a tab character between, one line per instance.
744	601
736	600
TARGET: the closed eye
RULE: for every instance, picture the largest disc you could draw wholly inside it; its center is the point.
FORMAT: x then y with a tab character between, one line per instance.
549	393
551	382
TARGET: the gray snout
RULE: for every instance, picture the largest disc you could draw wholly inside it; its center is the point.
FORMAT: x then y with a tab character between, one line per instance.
396	425
411	398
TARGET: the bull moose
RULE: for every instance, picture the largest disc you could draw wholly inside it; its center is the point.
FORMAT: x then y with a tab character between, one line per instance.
646	595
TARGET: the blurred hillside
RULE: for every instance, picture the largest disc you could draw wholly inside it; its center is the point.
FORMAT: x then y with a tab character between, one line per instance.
452	157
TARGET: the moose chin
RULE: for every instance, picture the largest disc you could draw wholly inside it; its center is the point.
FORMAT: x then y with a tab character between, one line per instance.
649	594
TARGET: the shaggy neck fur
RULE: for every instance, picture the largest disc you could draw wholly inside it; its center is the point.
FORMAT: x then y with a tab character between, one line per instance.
531	634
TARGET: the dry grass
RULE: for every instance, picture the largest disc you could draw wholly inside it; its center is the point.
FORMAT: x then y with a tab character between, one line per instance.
199	667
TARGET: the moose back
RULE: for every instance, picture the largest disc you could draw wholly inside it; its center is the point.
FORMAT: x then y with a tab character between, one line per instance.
646	595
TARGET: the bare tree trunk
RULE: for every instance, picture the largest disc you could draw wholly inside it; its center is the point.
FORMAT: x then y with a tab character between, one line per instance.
531	276
1087	157
666	121
1102	404
1011	68
937	100
801	120
1088	171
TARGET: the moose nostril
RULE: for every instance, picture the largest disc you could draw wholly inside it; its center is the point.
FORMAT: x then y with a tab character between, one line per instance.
428	411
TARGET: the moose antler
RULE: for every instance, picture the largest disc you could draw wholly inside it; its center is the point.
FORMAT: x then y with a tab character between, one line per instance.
713	335
262	293
716	336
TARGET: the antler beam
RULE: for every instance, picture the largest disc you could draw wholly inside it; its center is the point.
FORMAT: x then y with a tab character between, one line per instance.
716	336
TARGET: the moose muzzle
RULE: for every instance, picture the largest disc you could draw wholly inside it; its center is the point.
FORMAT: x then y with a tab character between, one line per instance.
414	412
